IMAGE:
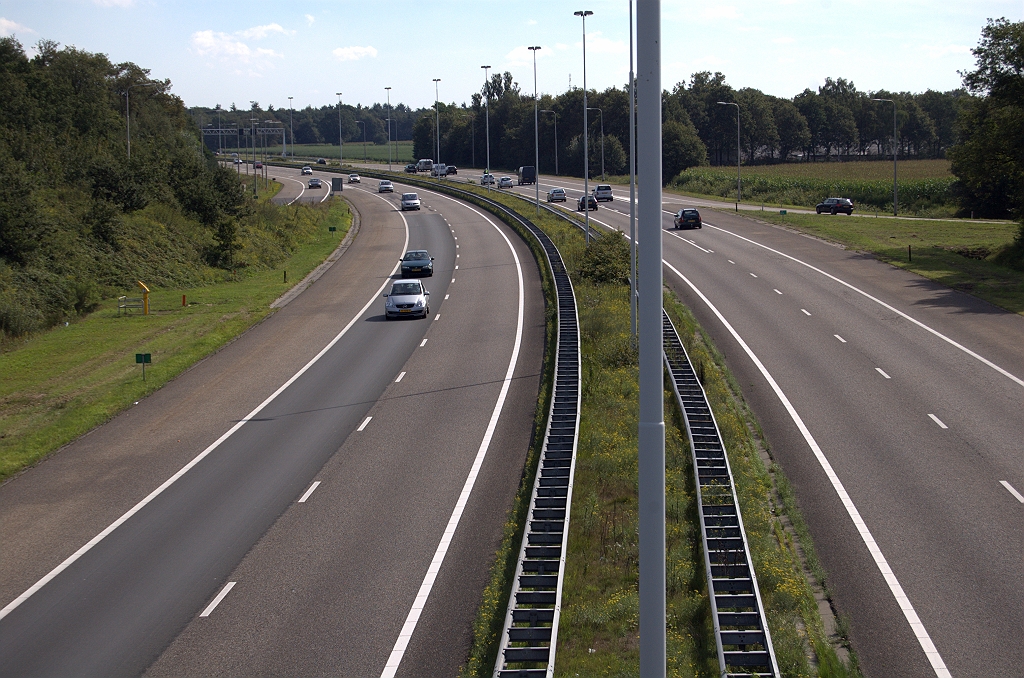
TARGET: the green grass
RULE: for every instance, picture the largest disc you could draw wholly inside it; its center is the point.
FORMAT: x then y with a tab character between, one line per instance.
598	633
59	384
858	170
959	254
401	152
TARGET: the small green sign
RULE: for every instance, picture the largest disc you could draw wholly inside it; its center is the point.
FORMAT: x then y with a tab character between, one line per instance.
332	229
143	357
782	211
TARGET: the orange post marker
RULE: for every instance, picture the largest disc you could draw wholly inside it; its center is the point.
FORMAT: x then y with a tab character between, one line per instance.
183	300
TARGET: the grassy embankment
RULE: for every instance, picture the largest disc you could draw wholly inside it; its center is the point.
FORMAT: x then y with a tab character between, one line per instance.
599	628
401	152
962	255
59	384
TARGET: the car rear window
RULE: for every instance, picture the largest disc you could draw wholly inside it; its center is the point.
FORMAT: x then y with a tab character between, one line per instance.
604	188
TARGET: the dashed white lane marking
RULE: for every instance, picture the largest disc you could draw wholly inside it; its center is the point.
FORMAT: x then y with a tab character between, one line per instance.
806	312
365	422
916	625
1015	493
839	338
457	246
446	297
456	266
686	240
401	376
316	484
731	261
453	279
776	291
882	372
437	317
937	420
424	342
202	455
753	275
216	601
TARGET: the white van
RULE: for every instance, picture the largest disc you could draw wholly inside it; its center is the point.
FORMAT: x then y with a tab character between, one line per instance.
425	165
439	170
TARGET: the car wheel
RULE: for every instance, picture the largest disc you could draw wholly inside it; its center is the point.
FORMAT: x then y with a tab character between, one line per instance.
833	211
817	210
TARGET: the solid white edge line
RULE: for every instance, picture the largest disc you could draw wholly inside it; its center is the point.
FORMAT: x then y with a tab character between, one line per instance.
1012	491
401	376
405	635
202	455
878	301
302	189
363	425
882	372
676	235
934	658
216	601
305	496
937	420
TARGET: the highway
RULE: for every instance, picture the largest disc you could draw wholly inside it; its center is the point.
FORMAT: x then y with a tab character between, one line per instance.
894	407
299	500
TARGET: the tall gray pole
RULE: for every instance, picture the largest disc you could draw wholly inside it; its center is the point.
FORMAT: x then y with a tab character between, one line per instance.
586	143
389	127
632	181
592	108
733	103
536	133
291	127
487	116
437	121
341	144
652	419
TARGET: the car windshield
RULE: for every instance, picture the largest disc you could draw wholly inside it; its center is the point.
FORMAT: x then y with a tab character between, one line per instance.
404	288
410	196
383	183
419	255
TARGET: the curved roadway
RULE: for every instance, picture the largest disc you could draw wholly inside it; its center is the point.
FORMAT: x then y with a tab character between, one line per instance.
352	478
894	406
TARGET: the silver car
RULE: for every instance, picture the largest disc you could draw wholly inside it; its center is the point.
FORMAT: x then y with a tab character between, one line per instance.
407	298
385	186
353	179
307	170
410	201
603	192
505	182
486	179
556	195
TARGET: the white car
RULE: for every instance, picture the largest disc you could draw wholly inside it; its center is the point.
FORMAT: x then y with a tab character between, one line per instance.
408	298
307	170
439	170
410	201
385	186
556	195
505	182
487	179
353	179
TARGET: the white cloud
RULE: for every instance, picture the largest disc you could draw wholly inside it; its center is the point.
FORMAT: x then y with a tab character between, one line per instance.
310	19
598	44
522	56
561	46
354	53
721	12
531	22
8	27
784	40
260	32
228	48
939	51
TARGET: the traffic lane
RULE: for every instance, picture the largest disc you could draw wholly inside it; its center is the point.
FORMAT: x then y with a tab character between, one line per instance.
52	509
910	467
119	604
348	563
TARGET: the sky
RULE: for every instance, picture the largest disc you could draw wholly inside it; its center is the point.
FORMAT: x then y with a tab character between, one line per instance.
222	53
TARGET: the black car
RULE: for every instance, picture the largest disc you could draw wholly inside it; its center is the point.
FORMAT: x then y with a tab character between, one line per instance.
410	168
591	203
321	161
452	169
416	263
688	218
834	206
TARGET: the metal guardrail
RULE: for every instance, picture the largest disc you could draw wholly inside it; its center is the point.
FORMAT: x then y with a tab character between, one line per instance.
742	637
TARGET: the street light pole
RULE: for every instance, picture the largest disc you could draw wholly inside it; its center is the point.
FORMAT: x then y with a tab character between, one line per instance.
255	179
437	121
291	127
487	116
556	137
586	156
651	462
632	181
360	122
341	143
389	127
602	140
738	184
895	147
536	133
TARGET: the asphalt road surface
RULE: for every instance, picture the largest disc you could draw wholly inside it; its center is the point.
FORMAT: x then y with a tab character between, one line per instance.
909	393
379	473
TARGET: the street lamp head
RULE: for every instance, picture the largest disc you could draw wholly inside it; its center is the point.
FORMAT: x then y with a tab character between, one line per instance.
583	13
534	49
